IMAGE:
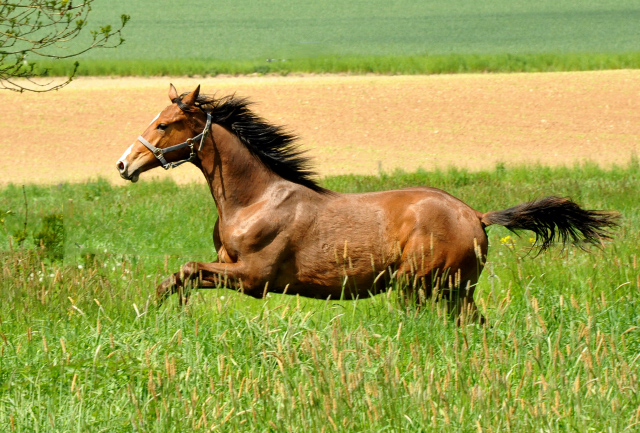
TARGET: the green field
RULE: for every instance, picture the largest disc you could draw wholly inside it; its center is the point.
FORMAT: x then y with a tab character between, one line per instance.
201	37
83	348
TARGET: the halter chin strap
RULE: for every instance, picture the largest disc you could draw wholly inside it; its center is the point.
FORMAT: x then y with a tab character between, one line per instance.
159	153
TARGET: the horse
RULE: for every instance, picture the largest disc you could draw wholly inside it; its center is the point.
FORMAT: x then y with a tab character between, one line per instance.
278	230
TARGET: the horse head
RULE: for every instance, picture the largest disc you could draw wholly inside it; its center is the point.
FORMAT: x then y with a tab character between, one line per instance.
169	139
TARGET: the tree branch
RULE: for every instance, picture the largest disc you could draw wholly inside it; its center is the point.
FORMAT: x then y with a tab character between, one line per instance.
41	28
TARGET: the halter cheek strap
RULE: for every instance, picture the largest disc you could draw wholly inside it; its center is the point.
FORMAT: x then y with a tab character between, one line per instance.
159	153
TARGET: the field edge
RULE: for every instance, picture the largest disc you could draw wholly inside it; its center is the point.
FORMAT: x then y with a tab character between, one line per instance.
383	65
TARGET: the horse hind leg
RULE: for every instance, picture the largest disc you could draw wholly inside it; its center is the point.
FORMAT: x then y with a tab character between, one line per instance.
449	288
461	284
466	309
460	302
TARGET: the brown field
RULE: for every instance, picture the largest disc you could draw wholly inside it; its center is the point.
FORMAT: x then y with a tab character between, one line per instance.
349	124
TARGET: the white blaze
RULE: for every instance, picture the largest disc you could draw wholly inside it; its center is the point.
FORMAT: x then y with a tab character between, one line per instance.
123	159
126	153
154	119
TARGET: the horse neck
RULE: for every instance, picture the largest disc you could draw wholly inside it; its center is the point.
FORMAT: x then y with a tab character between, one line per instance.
236	178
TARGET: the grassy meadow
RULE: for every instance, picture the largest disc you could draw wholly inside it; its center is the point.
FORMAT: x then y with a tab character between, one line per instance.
401	36
84	348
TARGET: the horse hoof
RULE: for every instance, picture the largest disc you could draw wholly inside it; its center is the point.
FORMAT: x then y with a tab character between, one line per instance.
164	290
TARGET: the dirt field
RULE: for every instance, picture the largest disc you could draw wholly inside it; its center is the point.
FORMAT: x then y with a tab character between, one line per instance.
348	123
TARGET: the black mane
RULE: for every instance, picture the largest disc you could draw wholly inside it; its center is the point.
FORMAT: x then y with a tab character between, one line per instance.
273	145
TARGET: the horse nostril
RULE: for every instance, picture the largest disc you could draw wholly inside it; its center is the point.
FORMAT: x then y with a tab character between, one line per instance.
120	166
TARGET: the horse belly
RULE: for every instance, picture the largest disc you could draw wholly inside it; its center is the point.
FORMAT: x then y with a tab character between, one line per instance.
344	262
336	288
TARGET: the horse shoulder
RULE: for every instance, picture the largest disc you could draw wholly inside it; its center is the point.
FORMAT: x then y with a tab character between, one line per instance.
265	224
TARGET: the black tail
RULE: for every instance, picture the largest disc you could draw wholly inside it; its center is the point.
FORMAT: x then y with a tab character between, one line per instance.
555	218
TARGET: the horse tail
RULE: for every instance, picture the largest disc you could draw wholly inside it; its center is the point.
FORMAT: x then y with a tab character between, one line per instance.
556	218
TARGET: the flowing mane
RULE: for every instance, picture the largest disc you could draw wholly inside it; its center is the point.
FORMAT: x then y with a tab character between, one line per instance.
273	145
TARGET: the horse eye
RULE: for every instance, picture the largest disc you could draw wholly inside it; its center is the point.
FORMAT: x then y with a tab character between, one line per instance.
162	126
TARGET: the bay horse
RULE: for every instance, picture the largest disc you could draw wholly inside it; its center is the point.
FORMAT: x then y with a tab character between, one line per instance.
279	231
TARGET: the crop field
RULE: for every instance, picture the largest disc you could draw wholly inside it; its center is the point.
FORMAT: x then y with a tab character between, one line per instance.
402	36
83	347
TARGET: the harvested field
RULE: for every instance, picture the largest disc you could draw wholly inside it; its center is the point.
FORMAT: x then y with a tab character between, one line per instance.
350	124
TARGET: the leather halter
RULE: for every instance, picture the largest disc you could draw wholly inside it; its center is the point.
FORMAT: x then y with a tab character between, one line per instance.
159	153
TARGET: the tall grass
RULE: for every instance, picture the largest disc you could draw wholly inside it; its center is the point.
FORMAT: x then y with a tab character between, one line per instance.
83	348
426	64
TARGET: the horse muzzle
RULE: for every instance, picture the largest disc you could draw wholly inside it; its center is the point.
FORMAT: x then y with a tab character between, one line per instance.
123	169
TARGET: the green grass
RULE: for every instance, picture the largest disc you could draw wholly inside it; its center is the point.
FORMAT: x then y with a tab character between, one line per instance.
82	347
436	64
402	36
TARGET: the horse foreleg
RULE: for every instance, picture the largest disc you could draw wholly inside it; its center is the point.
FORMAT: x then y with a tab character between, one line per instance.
174	284
200	275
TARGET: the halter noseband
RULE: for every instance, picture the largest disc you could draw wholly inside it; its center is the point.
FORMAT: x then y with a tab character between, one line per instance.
159	153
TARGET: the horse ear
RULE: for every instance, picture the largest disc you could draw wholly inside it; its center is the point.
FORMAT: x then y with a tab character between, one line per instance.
173	93
191	97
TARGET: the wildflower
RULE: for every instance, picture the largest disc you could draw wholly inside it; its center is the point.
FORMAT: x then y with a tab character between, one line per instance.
506	240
